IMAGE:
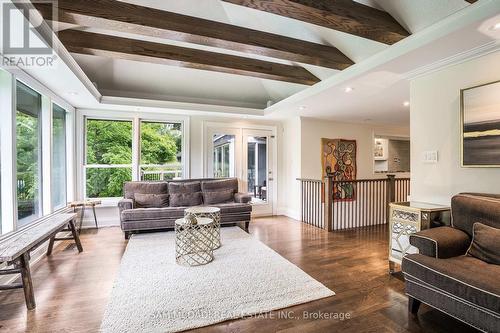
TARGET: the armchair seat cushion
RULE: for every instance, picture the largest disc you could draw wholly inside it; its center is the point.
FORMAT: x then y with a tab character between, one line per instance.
463	277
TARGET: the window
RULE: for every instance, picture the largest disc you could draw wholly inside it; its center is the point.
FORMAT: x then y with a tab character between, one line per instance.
58	157
108	157
223	145
29	152
161	150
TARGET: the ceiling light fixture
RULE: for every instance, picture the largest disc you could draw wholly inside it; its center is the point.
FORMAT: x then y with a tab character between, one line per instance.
406	103
302	107
496	26
348	89
72	93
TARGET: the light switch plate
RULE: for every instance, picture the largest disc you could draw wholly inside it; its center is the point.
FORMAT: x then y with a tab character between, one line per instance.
430	156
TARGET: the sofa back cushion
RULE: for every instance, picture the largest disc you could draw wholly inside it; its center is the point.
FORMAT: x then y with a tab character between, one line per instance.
216	197
147	200
220	185
469	208
185	194
485	244
130	188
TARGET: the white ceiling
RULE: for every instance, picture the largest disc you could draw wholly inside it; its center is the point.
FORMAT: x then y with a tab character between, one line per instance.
379	77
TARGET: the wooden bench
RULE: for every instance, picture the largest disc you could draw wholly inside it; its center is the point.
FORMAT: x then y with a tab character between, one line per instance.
15	250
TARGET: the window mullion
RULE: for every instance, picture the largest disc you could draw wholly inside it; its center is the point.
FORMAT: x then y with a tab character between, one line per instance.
136	149
46	179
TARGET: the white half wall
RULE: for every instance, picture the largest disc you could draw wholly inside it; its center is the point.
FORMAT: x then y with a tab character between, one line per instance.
435	125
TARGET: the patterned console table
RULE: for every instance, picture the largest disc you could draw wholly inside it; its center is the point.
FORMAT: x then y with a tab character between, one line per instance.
407	218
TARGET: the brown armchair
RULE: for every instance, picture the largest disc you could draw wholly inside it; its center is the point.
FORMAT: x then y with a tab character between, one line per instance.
444	276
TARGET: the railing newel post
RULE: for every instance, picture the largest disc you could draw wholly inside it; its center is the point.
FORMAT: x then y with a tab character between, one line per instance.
391	193
328	215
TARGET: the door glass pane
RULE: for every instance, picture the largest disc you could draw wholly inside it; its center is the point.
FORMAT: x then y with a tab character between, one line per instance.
257	168
58	157
161	150
223	159
28	144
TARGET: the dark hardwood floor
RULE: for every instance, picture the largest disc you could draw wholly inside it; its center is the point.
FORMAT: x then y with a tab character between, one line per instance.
72	289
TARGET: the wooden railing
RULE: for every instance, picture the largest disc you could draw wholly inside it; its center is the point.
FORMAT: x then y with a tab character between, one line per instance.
336	205
312	194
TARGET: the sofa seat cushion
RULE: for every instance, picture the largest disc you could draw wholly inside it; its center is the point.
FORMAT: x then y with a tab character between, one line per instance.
463	277
233	208
142	214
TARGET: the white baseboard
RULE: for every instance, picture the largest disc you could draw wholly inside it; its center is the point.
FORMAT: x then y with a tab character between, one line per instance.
291	213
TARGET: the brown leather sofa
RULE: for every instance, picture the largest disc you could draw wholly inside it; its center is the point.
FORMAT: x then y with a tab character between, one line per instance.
156	205
450	277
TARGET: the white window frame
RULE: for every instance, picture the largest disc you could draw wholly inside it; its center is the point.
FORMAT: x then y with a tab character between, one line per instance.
136	117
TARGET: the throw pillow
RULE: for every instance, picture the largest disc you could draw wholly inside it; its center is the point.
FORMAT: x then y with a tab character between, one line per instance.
146	200
222	196
185	199
485	243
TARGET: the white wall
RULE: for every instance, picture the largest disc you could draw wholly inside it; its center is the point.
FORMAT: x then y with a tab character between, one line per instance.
435	125
313	130
289	191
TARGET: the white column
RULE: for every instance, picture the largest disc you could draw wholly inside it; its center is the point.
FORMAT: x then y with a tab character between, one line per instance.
71	173
8	151
46	183
136	148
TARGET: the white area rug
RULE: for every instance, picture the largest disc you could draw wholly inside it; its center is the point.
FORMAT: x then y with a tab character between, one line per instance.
154	294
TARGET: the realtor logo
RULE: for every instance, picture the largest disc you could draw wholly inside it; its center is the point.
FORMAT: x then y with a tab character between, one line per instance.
22	44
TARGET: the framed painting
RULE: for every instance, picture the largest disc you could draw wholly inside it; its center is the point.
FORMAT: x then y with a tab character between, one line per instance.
338	158
480	125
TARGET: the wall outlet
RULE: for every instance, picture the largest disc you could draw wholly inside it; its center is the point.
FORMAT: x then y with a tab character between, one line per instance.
430	157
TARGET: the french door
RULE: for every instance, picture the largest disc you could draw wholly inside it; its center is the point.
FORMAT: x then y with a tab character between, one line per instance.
247	154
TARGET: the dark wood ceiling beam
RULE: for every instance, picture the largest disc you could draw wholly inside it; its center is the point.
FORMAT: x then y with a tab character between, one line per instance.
132	49
124	17
343	15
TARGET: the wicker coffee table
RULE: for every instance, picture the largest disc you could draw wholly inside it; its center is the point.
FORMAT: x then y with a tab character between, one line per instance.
212	213
194	242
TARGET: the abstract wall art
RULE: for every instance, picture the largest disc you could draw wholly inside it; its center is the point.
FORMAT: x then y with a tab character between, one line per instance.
480	125
338	158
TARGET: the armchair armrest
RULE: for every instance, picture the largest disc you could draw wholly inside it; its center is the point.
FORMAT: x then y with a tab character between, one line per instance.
242	198
125	204
441	242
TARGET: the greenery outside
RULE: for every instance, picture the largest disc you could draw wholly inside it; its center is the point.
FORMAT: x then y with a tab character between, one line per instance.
109	142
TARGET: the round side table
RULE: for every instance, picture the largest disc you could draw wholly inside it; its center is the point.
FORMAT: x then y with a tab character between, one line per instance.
193	242
209	212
